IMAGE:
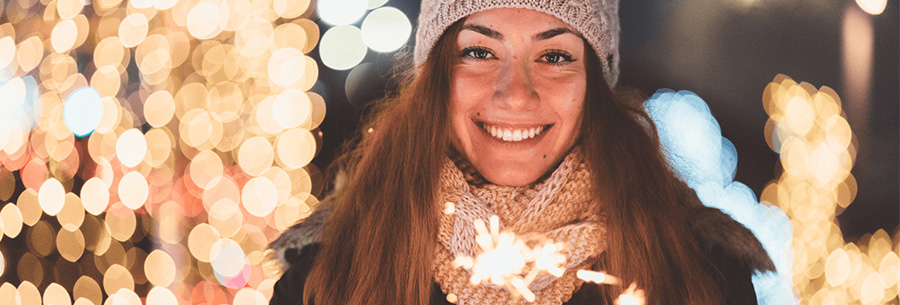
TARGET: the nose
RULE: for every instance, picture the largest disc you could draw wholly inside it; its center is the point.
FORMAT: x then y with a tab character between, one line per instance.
514	87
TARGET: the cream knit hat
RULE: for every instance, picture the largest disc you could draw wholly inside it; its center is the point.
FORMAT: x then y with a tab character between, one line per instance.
596	20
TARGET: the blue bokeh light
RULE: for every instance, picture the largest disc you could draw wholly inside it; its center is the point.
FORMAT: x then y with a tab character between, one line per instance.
707	162
83	111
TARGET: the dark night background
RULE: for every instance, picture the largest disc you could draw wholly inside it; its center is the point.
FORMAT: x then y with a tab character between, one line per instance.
726	51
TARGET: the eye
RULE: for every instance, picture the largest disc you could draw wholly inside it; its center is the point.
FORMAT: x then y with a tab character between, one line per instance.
478	53
556	57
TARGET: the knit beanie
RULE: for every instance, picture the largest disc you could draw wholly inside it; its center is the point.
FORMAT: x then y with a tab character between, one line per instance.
596	20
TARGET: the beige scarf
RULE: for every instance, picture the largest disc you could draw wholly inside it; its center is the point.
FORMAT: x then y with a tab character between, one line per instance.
559	207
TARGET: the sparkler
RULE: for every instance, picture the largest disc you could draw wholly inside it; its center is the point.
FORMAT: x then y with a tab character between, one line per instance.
506	260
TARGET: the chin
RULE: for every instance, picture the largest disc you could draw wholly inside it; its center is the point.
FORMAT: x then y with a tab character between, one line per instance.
512	175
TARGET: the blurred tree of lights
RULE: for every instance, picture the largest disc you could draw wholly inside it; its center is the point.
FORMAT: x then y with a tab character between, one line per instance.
810	131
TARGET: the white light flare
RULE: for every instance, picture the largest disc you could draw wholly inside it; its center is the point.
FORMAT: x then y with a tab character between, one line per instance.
503	258
632	296
597	277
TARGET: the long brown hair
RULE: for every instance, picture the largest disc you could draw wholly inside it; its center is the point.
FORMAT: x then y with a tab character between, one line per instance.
378	244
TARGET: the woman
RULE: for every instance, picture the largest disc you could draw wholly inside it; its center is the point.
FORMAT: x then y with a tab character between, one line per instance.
511	113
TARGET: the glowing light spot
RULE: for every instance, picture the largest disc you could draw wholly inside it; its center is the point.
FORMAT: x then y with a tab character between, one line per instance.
291	108
386	29
117	277
28	291
342	47
296	148
10	221
121	222
227	257
63	36
56	294
124	296
206	169
161	296
800	115
872	289
133	30
30	52
72	214
7	51
70	244
142	3
873	7
14	94
88	289
452	298
131	147
259	196
254	37
249	296
201	240
225	215
8	292
133	190
203	20
255	155
83	111
286	66
342	12
631	296
290	9
95	196
837	133
68	9
159	268
165	4
51	196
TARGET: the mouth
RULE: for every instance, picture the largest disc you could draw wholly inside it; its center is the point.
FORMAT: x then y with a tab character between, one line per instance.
513	133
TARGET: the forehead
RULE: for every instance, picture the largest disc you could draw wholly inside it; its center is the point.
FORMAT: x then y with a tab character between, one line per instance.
517	20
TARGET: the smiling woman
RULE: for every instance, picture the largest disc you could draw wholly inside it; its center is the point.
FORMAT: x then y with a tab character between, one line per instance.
509	170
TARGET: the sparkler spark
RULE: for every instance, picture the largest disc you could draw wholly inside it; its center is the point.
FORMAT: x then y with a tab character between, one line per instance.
597	277
631	296
505	260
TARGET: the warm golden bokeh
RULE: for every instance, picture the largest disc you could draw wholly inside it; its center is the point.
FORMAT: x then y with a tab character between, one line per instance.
810	131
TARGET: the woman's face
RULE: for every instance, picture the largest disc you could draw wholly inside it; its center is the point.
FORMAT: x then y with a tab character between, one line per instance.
517	93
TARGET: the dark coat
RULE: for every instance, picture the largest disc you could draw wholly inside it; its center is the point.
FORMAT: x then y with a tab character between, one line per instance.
732	251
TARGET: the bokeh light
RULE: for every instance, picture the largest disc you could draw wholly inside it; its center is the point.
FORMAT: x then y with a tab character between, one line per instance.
386	29
131	147
874	7
83	111
808	129
133	29
342	47
342	12
63	36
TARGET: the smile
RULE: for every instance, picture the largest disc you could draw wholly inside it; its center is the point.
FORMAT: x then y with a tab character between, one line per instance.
513	134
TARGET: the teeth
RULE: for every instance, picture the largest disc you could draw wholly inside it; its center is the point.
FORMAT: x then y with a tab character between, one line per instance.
512	135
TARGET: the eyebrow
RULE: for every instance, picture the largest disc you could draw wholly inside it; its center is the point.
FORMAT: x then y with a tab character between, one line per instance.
483	30
553	33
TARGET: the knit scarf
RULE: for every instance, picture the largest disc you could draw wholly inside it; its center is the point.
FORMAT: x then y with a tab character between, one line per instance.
558	207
